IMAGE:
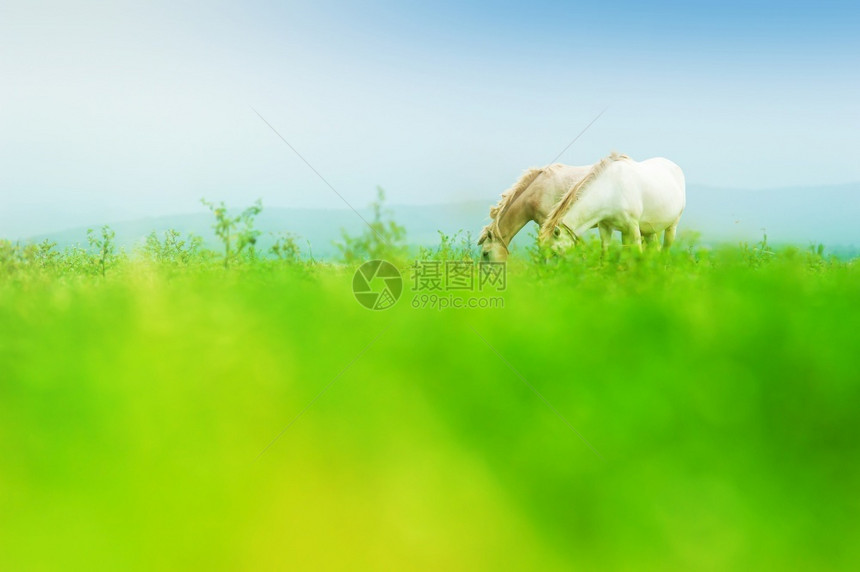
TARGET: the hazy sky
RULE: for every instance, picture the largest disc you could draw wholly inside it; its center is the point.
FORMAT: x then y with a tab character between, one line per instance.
115	110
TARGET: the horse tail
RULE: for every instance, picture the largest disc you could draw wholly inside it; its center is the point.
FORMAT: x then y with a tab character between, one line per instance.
573	193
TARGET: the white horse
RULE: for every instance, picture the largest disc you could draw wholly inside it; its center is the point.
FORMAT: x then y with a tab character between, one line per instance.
638	198
530	199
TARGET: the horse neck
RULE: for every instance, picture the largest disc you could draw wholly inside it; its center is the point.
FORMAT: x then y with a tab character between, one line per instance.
515	217
582	214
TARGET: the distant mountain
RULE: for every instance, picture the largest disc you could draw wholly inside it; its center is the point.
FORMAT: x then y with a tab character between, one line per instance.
800	215
319	227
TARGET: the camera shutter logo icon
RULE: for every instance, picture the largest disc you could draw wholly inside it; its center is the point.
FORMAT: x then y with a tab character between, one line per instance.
377	285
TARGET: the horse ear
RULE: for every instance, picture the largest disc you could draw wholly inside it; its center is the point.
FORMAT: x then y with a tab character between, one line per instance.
484	235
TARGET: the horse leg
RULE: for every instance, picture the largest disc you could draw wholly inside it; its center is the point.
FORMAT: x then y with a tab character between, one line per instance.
650	239
669	235
632	235
605	238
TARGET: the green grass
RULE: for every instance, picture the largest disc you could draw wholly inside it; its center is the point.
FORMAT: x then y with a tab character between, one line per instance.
720	389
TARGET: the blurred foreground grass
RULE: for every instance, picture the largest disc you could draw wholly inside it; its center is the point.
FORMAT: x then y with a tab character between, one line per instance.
720	390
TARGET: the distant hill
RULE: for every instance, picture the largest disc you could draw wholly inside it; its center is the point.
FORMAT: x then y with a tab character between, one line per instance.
800	215
320	227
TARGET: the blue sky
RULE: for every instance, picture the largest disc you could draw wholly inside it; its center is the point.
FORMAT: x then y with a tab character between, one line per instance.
139	109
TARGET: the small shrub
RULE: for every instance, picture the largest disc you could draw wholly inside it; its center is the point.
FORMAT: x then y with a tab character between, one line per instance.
383	238
104	245
459	246
236	233
285	248
173	249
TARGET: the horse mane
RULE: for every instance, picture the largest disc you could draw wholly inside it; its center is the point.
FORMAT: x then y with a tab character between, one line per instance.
574	193
509	196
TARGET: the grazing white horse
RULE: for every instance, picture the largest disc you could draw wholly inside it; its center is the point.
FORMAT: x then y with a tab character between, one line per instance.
639	198
530	199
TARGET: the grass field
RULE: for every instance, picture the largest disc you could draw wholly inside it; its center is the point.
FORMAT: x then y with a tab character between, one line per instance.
700	413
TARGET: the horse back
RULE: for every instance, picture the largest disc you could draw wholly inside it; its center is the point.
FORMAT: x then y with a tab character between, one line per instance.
660	186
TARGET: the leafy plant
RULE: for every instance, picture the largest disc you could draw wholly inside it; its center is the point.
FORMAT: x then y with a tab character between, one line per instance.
45	254
382	237
172	248
459	246
236	233
759	253
104	245
12	256
285	247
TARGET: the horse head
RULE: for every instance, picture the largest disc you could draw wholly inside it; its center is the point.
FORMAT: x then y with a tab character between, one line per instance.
561	240
493	247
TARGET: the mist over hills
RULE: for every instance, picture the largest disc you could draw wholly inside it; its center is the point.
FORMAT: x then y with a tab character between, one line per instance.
317	229
799	215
